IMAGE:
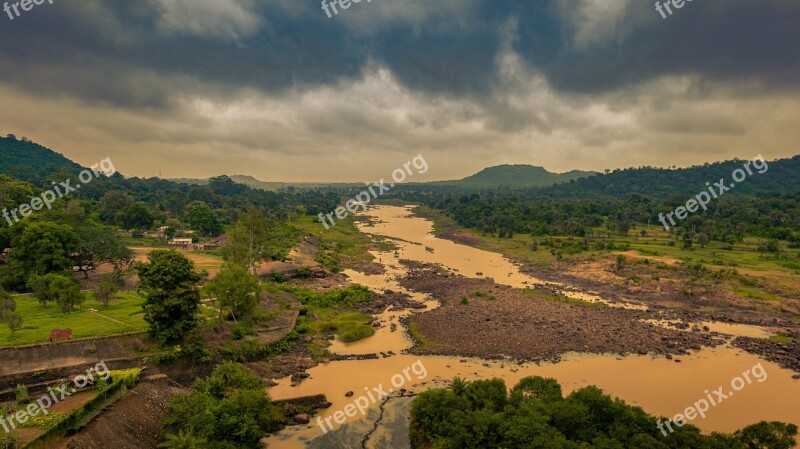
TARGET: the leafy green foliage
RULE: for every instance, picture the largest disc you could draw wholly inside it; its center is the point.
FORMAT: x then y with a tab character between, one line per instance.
32	162
230	406
236	289
203	219
135	216
169	284
764	205
259	237
38	248
8	441
63	290
99	245
21	394
331	311
346	297
535	415
7	304
14	322
104	292
182	440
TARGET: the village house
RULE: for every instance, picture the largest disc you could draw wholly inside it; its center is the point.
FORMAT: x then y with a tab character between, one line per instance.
184	242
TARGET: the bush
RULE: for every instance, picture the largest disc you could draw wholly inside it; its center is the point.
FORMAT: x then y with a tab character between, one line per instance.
355	332
304	272
8	441
230	408
242	329
21	395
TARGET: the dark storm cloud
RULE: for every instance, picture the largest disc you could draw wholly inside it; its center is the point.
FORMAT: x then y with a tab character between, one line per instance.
143	53
730	40
118	52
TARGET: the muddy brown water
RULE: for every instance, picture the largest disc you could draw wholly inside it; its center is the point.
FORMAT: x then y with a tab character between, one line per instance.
660	386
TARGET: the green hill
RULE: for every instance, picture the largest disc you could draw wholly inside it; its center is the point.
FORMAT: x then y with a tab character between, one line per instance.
30	161
265	185
518	176
778	177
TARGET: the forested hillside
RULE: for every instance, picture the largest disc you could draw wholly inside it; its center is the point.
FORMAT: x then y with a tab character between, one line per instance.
765	204
30	161
517	176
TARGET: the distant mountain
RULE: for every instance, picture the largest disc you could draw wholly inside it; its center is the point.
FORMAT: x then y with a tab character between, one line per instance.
239	179
264	185
30	161
518	176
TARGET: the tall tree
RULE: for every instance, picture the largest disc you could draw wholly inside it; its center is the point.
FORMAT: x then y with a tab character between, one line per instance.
14	322
113	202
60	289
7	304
203	219
98	246
135	216
169	283
248	243
104	292
236	290
66	292
38	248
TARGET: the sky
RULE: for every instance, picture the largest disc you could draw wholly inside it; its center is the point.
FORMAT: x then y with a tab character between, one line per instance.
278	90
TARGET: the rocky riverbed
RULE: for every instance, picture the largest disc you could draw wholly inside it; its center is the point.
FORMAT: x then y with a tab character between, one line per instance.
482	319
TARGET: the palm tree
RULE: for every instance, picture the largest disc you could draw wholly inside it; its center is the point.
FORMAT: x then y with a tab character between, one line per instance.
183	440
458	385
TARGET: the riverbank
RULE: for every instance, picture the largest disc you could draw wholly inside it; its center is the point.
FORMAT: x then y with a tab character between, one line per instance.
681	286
652	381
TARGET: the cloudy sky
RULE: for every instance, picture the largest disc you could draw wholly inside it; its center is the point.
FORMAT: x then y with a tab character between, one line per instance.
277	90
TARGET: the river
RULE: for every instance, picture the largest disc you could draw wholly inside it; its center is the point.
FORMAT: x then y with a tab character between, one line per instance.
658	385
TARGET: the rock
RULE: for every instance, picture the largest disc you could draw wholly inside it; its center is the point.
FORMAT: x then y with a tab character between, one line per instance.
298	377
302	419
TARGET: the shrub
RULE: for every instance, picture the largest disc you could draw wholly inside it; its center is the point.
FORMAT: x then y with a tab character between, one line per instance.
228	408
355	332
21	394
8	441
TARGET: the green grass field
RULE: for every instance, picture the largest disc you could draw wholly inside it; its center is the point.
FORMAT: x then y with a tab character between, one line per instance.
124	314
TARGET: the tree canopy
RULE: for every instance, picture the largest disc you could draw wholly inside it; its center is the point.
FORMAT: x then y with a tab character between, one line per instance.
169	284
535	415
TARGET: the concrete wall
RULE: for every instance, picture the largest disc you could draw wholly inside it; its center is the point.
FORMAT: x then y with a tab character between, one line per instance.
50	356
